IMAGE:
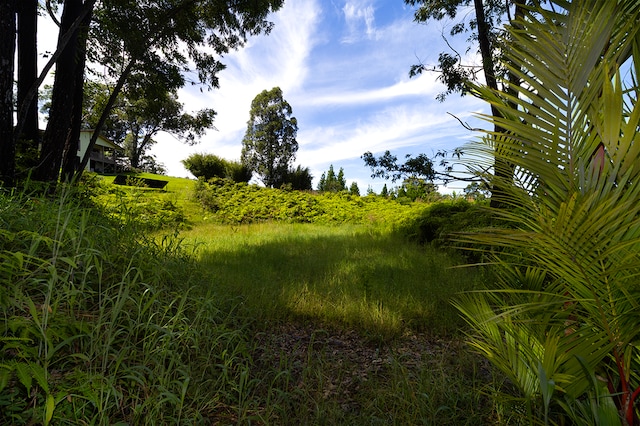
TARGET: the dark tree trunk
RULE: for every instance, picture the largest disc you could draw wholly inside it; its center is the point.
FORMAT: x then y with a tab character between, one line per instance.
503	170
58	132
28	67
71	163
7	52
488	67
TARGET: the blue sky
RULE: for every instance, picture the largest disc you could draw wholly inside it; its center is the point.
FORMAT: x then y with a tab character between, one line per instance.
343	66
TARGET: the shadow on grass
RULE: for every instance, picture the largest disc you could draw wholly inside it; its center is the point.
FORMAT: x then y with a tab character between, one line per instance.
378	284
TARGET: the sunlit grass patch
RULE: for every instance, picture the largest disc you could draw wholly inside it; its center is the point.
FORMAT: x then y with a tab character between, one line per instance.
347	275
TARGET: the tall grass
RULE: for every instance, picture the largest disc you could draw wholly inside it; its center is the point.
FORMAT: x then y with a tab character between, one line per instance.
104	323
99	326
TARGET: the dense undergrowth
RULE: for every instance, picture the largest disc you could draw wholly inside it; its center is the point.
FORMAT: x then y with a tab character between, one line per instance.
227	202
99	323
106	322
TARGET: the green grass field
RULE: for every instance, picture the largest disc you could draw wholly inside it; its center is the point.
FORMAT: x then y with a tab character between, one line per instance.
114	315
348	276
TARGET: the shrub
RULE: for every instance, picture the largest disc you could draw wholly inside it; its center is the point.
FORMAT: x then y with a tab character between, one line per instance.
208	166
241	203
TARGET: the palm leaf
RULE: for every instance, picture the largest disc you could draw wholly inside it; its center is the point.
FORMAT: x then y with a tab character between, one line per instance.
568	297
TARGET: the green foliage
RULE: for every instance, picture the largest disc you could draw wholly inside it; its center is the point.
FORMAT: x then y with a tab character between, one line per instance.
385	191
330	182
439	223
238	172
269	144
477	190
106	323
484	28
242	203
353	189
562	322
207	166
146	208
386	166
298	179
96	325
414	189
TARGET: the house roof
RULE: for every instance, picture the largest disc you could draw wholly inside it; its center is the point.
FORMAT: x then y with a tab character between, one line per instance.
105	140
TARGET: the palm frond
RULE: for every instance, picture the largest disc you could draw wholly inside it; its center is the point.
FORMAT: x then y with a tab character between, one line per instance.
568	299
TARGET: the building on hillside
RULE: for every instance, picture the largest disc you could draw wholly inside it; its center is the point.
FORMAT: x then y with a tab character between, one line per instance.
103	155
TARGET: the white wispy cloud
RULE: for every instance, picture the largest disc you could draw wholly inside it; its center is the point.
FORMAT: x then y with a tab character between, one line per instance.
280	59
422	86
359	17
403	127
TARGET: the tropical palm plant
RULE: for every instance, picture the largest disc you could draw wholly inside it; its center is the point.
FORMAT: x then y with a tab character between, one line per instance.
563	322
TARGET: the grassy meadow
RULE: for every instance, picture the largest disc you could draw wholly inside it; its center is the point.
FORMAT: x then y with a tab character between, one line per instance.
347	276
138	306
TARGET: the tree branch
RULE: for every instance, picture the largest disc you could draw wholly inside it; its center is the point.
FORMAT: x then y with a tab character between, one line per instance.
52	13
465	125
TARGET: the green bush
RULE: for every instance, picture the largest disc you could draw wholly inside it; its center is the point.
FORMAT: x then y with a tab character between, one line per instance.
209	166
240	203
441	222
147	209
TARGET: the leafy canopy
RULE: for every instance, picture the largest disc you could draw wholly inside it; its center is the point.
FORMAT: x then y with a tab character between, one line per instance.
386	166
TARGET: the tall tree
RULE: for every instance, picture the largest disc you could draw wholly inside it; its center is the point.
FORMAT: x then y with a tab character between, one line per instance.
353	189
70	152
64	119
7	52
269	145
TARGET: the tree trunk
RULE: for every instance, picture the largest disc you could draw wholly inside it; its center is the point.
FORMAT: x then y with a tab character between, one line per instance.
490	78
28	67
503	170
71	163
58	132
7	52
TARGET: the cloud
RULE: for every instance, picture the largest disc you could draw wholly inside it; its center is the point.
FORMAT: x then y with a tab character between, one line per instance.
422	86
359	18
405	127
279	59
